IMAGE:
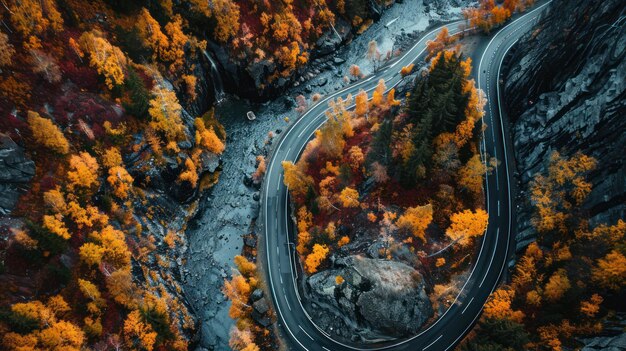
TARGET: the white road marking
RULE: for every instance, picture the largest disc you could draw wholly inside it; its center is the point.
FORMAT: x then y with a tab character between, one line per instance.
493	255
467	305
307	334
432	343
498	208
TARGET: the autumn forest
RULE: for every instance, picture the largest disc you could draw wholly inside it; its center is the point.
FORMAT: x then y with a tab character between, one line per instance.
117	139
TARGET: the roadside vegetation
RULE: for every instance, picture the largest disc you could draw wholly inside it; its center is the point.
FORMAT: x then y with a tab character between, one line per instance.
568	283
405	178
489	15
89	252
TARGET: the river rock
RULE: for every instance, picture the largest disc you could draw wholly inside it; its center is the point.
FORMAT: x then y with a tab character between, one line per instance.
338	60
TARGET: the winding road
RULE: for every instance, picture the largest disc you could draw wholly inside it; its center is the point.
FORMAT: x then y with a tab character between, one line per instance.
299	330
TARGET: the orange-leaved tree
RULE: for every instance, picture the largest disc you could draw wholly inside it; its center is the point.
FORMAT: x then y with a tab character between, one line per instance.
315	258
207	138
499	306
120	181
442	41
406	70
244	266
189	173
238	291
137	333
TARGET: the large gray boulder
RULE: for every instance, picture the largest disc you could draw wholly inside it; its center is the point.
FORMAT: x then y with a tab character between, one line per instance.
378	299
16	171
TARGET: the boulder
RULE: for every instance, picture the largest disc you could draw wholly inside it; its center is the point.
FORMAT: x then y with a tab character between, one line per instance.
256	295
378	298
338	60
261	305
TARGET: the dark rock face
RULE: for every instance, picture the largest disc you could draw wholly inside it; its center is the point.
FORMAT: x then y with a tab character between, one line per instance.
616	343
378	299
16	171
565	91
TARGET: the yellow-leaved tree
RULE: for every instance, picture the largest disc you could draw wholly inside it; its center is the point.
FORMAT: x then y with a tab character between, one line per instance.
466	225
416	220
165	111
138	334
108	59
47	133
32	18
610	271
557	286
296	179
120	181
83	172
238	291
349	197
360	100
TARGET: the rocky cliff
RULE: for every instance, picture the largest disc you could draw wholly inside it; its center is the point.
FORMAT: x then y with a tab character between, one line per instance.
565	91
257	79
16	171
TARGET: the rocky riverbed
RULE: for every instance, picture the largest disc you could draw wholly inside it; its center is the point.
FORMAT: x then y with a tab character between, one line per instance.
216	234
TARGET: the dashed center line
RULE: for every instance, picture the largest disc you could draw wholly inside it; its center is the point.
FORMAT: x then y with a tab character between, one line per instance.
432	343
468	304
307	334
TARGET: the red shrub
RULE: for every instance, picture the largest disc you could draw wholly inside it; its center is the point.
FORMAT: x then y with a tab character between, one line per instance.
11	124
83	76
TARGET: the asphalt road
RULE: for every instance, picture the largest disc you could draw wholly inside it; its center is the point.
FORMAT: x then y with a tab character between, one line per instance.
299	330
